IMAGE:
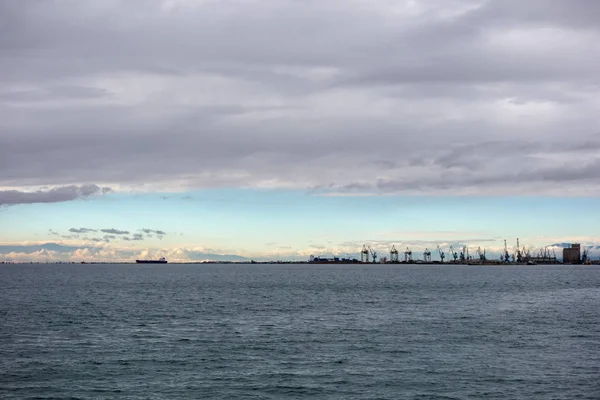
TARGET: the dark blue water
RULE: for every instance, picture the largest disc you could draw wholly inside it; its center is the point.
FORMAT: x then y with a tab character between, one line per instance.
299	331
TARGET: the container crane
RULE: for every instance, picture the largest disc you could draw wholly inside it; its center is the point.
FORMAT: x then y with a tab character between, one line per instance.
427	256
408	255
393	255
364	254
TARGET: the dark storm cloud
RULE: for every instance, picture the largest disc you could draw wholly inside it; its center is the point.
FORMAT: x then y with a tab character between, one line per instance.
55	195
391	97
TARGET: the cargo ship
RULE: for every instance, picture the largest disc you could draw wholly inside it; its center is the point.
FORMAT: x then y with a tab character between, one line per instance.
161	260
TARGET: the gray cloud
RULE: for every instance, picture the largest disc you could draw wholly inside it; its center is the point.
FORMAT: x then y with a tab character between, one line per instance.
114	231
81	230
150	232
55	195
52	94
429	96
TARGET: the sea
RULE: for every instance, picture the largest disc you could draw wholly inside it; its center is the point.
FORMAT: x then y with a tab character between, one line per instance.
292	331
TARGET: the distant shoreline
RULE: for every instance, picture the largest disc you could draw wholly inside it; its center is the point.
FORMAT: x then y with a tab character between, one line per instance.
473	263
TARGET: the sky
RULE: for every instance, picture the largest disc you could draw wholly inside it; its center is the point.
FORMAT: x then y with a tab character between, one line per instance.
280	129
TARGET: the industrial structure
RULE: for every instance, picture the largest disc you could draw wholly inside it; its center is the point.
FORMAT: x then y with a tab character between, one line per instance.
519	255
572	255
394	255
367	251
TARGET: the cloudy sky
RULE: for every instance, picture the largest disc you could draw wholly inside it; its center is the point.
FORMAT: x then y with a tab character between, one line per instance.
284	128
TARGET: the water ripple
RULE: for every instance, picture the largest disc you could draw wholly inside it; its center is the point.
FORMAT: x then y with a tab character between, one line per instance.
291	332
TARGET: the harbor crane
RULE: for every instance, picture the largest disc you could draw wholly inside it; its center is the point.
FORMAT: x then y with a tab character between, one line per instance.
519	254
481	254
527	254
407	255
506	256
427	256
394	255
586	257
464	254
442	254
454	254
373	254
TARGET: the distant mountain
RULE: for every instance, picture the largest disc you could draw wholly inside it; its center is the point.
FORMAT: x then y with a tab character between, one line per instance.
199	256
126	254
59	248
